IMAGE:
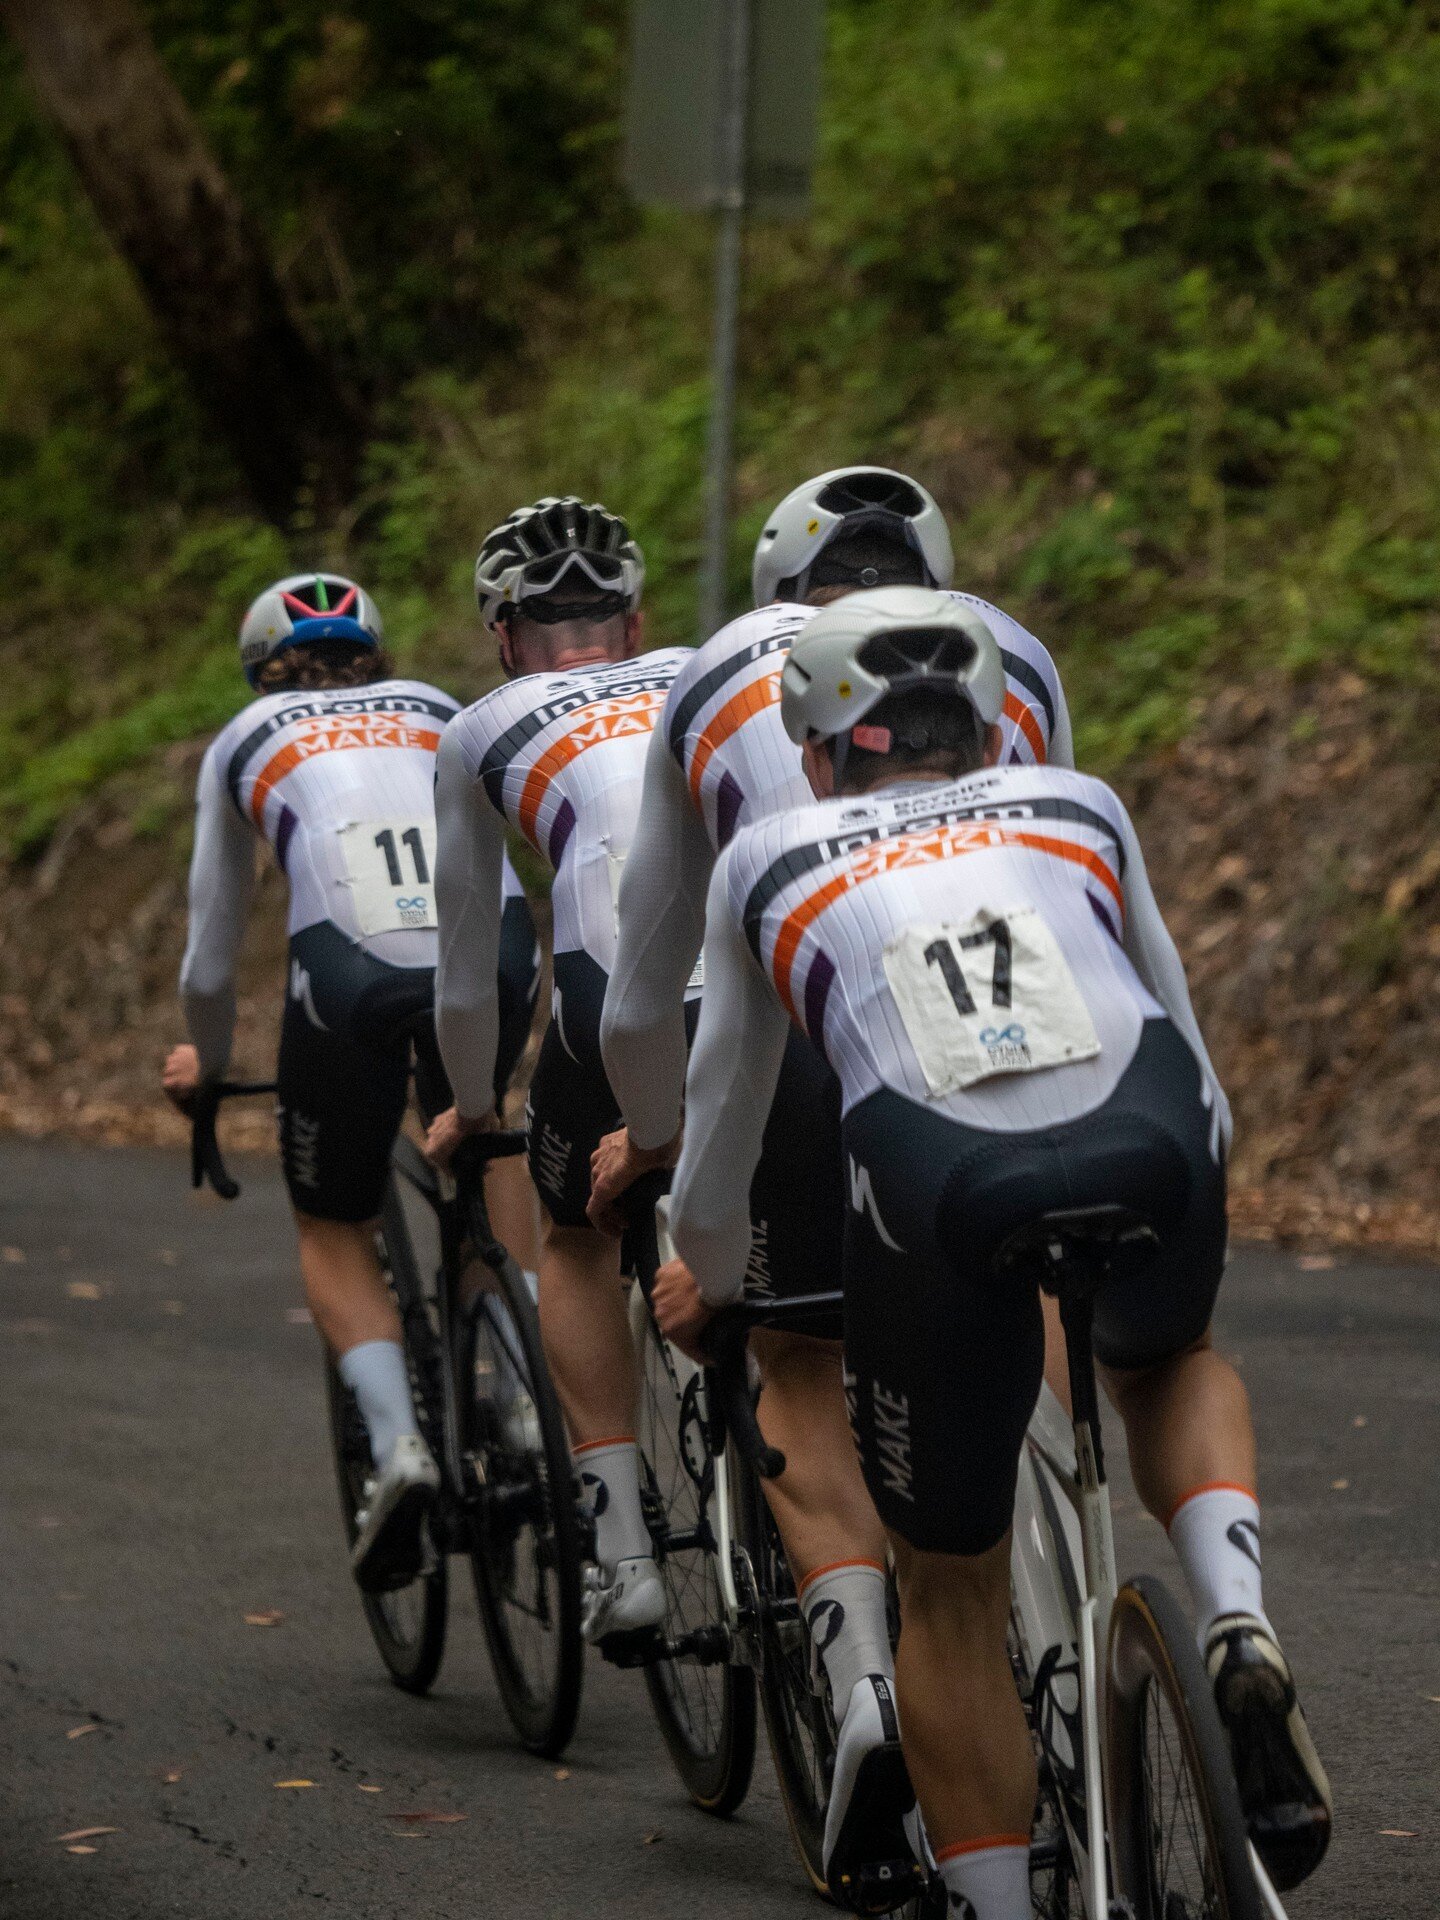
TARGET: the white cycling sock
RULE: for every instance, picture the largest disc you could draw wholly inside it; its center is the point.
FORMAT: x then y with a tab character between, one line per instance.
844	1608
377	1375
610	1474
987	1879
1216	1532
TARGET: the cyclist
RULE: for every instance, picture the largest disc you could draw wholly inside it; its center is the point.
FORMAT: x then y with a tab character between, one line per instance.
718	760
333	765
558	755
977	951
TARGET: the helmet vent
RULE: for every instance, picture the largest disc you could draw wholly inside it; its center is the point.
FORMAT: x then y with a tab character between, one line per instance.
859	492
915	654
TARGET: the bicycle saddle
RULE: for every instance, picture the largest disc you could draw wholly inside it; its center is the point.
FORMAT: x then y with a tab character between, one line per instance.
1099	1241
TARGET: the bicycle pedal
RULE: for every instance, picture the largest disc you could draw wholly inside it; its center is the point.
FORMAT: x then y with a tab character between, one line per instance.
641	1647
881	1885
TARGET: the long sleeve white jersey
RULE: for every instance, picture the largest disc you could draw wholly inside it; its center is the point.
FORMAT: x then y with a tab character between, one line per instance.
559	756
719	760
340	783
988	948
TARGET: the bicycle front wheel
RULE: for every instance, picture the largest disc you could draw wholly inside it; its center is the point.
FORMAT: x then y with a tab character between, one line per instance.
705	1705
525	1546
1177	1834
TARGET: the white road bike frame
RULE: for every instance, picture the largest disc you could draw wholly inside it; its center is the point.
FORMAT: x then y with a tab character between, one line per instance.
1063	1585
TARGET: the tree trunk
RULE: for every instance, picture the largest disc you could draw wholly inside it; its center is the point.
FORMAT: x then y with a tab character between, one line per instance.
201	262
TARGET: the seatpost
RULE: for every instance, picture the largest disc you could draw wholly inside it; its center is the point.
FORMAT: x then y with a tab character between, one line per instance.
1077	1316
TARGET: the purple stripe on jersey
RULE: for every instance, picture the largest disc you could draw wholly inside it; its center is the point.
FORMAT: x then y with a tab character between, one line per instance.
289	820
1102	914
727	808
561	831
818	983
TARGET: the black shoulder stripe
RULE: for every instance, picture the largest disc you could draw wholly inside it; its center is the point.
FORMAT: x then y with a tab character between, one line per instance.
315	706
1032	681
709	684
792	865
1045	808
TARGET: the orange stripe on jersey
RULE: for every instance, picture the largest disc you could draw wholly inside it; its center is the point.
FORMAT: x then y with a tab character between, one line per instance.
343	734
1023	716
605	720
941	843
755	698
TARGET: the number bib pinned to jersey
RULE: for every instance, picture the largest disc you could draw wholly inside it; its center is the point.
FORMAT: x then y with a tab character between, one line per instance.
391	867
990	995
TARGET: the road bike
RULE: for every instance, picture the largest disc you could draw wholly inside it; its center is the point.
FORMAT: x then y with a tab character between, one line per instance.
1137	1814
488	1412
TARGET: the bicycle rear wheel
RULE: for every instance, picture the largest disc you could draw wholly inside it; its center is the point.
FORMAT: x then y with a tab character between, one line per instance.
1177	1834
798	1720
407	1624
525	1546
705	1704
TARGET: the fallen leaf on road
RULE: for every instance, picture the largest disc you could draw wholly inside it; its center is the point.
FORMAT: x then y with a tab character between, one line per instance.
1315	1262
267	1617
171	1778
365	1789
408	1833
1434	1699
1359	1421
86	1833
649	1839
294	1783
427	1819
1398	1833
48	1521
83	1290
1339	1486
13	1256
79	1733
82	1849
562	1773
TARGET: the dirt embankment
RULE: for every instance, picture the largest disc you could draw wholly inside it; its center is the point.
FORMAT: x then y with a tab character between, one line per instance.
1294	843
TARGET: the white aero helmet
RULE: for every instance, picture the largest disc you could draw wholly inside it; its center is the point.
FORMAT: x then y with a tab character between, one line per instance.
558	540
854	653
305	608
855	501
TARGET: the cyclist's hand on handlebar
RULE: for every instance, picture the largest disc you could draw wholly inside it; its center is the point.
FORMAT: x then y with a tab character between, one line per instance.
680	1309
617	1163
448	1129
180	1076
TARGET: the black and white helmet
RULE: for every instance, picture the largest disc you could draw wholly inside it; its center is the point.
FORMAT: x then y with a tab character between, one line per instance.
850	501
558	542
852	654
302	610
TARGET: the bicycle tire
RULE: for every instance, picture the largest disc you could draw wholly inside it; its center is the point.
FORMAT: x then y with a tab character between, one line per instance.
1154	1673
525	1547
706	1710
798	1722
408	1625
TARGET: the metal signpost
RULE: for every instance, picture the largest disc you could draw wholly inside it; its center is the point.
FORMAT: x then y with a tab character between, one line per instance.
722	115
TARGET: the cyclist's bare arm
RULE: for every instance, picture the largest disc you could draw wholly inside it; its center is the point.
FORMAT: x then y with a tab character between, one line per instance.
469	861
222	882
662	925
729	1091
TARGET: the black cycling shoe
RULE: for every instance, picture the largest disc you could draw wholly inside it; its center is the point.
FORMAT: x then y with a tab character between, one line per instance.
869	1865
1284	1793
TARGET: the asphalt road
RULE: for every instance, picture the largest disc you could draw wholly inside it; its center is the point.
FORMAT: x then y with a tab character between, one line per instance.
164	1473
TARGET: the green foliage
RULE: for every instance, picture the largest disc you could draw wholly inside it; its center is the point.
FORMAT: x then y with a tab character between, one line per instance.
1146	289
